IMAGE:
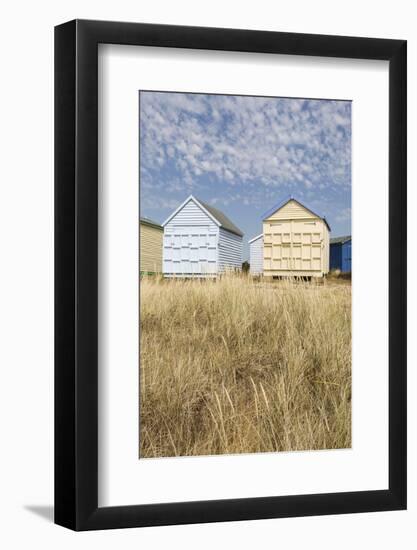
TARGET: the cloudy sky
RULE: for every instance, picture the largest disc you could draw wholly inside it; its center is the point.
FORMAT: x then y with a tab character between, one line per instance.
243	154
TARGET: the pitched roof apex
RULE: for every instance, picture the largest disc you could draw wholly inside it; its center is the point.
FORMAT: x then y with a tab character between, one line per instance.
256	238
220	219
289	198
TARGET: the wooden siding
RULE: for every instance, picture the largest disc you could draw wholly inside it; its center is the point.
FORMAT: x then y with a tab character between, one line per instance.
291	211
341	256
296	243
256	256
230	250
150	249
347	257
326	244
195	245
190	243
190	214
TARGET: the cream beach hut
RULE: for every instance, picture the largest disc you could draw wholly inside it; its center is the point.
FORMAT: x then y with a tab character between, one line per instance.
296	241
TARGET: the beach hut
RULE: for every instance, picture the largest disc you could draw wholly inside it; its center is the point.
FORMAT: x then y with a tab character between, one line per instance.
256	255
150	246
200	241
341	253
296	241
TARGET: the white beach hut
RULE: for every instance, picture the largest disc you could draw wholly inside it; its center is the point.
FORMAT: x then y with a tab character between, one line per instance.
256	255
200	241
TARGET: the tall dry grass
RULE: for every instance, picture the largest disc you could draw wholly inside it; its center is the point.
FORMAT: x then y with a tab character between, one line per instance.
237	366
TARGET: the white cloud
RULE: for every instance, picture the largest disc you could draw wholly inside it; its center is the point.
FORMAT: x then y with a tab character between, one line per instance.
238	140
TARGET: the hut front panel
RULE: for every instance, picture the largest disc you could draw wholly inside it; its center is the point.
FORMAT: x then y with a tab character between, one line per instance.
326	249
230	250
341	256
190	244
256	258
150	257
336	256
347	257
295	247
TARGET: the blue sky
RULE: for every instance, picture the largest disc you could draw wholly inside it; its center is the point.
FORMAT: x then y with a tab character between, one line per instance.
243	154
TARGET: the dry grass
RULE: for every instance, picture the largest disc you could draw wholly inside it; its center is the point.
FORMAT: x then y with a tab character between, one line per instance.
236	366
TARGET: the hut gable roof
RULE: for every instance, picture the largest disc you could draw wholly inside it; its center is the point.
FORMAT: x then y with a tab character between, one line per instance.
222	219
286	201
151	223
341	240
256	238
216	215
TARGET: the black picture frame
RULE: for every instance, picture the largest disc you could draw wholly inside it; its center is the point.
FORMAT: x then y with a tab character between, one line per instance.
76	273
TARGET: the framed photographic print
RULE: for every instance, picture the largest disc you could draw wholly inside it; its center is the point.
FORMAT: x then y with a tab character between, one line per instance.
230	254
